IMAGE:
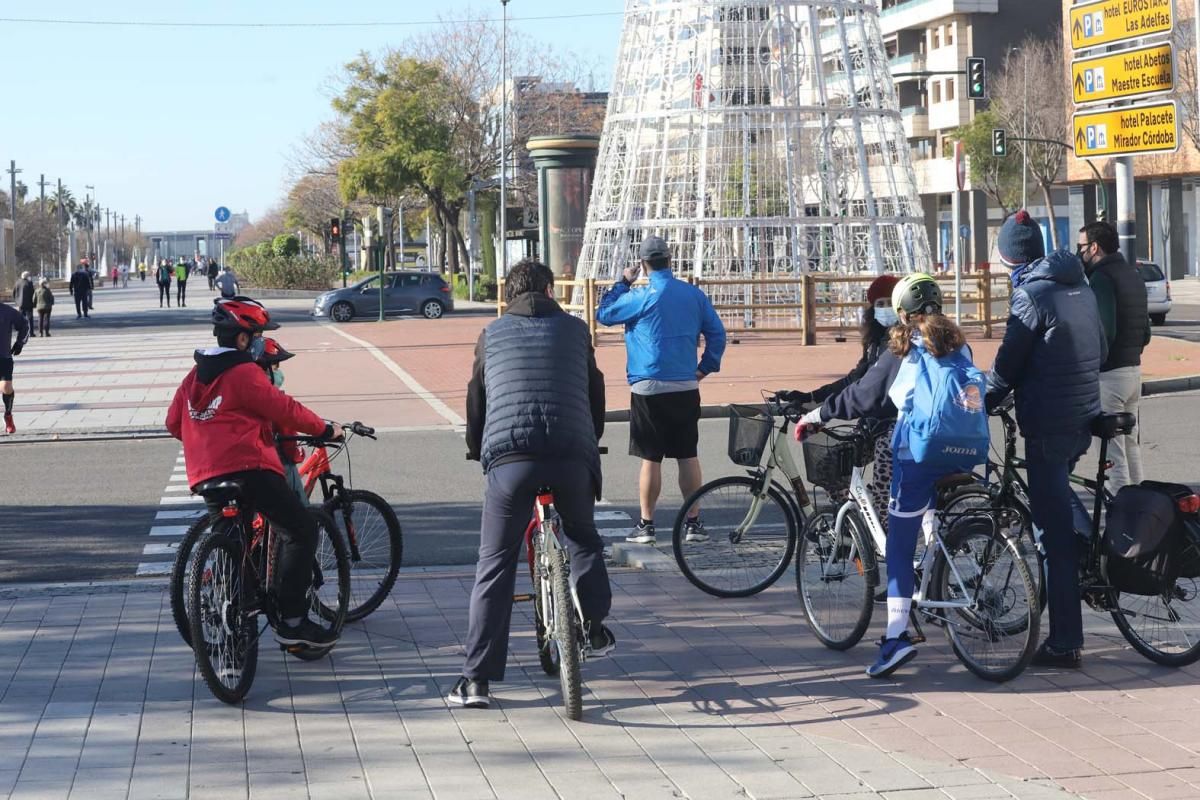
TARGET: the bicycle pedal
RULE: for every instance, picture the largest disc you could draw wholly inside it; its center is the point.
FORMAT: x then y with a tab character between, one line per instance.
917	638
522	598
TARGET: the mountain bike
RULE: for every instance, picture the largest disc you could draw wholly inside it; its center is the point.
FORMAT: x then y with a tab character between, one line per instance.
972	580
752	521
1164	627
560	629
232	584
373	536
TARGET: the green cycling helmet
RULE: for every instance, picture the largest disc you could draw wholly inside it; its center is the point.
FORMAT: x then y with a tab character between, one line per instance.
917	293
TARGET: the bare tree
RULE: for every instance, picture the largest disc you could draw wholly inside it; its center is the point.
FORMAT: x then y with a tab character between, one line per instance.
1032	99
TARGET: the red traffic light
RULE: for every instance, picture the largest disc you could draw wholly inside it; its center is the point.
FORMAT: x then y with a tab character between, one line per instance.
335	229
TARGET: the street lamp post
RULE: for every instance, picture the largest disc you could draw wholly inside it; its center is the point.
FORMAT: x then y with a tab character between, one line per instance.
503	260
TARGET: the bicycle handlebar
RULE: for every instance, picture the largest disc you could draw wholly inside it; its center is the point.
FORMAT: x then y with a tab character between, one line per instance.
356	428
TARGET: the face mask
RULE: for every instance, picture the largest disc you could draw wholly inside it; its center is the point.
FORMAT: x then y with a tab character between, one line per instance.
277	378
885	316
1079	251
257	348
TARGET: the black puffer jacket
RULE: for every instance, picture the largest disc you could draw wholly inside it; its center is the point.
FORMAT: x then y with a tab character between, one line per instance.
535	391
1052	349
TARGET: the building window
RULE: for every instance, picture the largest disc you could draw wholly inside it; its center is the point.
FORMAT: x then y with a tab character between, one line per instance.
937	92
936	35
950	33
950	89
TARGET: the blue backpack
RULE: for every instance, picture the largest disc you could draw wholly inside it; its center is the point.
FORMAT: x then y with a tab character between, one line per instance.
947	425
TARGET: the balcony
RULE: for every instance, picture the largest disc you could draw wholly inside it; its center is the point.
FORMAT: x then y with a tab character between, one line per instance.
916	122
909	62
919	13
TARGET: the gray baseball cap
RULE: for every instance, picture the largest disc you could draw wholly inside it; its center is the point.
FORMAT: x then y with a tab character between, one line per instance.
654	247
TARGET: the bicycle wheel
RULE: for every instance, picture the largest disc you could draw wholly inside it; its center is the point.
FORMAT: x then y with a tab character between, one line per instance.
750	540
566	634
376	548
1164	628
329	593
180	572
547	647
836	576
1019	528
995	632
224	634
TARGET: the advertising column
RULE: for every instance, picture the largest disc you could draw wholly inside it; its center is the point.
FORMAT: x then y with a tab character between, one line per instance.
565	166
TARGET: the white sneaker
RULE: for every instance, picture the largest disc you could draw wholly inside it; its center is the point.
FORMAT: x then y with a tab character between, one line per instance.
694	531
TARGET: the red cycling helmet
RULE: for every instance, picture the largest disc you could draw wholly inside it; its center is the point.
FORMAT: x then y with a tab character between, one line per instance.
241	314
273	353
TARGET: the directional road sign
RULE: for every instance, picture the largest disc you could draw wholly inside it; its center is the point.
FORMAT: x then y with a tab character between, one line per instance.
1128	131
1111	21
1126	75
222	214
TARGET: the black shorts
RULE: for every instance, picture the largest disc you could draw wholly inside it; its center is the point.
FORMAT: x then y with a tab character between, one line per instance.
6	368
664	425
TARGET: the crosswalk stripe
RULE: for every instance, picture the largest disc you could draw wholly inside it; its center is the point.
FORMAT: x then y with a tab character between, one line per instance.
187	513
180	501
178	487
153	568
166	549
612	515
169	530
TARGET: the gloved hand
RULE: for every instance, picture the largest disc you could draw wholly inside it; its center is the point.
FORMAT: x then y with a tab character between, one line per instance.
809	424
795	397
17	348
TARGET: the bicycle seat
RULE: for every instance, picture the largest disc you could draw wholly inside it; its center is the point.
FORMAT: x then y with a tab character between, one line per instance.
955	480
1109	426
220	491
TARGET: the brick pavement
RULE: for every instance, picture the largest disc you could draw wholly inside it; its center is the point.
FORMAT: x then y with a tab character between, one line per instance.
703	699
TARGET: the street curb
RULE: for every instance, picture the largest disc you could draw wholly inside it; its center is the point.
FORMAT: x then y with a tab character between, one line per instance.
285	294
107	435
1170	385
641	556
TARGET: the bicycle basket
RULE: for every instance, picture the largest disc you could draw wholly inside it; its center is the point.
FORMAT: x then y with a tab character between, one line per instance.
749	430
828	462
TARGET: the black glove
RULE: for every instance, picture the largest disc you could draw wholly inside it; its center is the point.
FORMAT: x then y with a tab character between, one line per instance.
795	397
17	348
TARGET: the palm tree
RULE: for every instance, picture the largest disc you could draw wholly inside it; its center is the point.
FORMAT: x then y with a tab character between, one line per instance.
63	205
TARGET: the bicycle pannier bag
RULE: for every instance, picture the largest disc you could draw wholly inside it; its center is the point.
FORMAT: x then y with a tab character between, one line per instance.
947	425
1142	539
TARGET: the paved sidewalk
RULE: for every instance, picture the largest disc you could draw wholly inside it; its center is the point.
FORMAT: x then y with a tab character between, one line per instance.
703	699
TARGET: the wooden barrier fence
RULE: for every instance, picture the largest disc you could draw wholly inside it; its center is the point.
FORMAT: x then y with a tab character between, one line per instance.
816	305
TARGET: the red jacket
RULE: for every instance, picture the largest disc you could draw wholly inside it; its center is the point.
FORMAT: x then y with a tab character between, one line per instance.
225	411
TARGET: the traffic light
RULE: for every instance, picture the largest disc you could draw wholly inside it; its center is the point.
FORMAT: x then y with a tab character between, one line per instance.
977	79
335	230
999	142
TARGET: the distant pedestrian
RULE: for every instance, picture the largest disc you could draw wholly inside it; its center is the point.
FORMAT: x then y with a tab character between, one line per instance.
142	271
43	299
124	268
1121	297
227	283
81	288
23	298
92	274
181	279
663	323
213	272
116	274
162	277
11	321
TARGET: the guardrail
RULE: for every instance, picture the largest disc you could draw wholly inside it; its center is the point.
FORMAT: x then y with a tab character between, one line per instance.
808	305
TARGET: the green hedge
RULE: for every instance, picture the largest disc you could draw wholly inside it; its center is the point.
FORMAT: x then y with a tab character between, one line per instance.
485	287
283	272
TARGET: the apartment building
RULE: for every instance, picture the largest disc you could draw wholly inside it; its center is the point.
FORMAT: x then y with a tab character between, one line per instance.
923	36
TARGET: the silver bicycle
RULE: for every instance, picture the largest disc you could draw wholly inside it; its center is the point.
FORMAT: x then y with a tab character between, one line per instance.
972	579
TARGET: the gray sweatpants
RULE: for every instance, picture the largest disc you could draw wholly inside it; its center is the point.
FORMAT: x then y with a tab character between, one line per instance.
507	509
1121	390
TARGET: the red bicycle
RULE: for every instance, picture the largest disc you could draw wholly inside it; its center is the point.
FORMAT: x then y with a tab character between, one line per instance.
369	528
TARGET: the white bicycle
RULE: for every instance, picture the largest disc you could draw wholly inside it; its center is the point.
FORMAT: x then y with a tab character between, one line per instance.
971	577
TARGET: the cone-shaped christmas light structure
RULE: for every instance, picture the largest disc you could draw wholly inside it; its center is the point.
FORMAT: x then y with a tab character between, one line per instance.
759	138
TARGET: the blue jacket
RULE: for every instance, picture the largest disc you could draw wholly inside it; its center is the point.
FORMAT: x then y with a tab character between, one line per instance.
663	323
1052	350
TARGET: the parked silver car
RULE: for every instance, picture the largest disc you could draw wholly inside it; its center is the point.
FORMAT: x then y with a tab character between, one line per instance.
1158	291
409	291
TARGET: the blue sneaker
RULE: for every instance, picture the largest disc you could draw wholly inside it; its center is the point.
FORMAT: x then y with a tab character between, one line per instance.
893	654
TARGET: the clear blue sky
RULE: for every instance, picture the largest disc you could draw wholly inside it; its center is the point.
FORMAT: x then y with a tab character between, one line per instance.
170	123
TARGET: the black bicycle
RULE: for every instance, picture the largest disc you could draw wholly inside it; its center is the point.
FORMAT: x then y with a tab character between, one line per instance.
232	584
1163	626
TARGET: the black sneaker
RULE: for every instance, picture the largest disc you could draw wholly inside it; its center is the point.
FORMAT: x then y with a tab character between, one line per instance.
642	534
601	641
469	694
307	633
1050	656
694	530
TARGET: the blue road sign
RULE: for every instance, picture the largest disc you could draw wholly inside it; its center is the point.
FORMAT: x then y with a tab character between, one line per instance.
223	214
1087	27
1091	137
1089	81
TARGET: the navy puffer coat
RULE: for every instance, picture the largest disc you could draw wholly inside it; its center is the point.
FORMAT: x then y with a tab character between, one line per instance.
1052	349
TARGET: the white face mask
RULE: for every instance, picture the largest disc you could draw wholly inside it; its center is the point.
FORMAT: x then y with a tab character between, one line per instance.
886	316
